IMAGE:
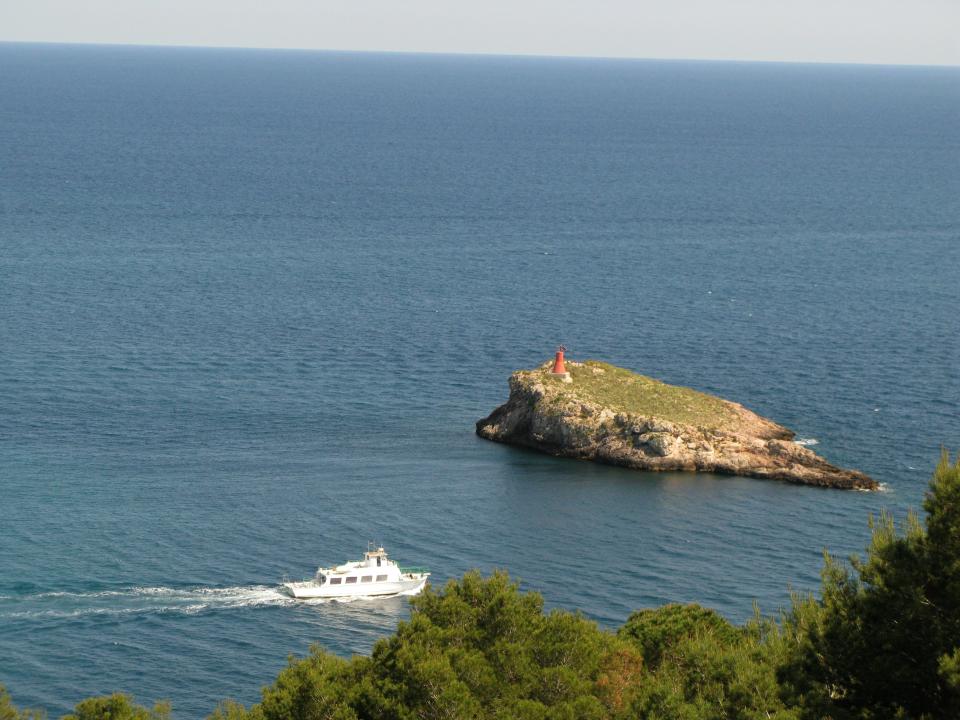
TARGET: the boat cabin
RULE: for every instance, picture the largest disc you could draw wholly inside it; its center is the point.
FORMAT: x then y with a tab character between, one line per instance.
374	568
379	555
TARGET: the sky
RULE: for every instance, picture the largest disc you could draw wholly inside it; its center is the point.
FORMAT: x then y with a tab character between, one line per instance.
909	32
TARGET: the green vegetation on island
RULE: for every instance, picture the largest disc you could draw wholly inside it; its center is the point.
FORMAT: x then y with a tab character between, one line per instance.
625	391
882	641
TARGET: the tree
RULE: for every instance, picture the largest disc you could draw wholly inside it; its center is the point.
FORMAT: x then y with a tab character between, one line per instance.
657	631
478	648
9	712
117	707
885	639
701	667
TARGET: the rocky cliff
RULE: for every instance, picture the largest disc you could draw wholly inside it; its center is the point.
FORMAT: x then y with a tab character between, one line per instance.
611	415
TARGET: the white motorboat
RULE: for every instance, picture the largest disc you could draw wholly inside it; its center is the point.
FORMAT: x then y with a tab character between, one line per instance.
375	575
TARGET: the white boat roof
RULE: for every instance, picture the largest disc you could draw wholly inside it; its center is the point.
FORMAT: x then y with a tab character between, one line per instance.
359	564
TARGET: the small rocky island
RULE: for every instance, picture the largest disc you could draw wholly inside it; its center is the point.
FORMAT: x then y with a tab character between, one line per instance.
595	411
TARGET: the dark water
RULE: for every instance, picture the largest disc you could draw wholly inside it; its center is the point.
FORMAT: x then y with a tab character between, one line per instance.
251	304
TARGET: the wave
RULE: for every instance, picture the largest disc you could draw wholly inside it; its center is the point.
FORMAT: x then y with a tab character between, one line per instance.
807	441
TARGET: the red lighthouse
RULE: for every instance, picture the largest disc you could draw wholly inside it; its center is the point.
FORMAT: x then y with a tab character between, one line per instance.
558	367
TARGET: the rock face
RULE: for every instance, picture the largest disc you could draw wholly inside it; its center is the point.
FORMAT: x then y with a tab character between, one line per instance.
614	416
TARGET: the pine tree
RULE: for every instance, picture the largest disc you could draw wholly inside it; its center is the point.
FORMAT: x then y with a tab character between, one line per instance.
885	641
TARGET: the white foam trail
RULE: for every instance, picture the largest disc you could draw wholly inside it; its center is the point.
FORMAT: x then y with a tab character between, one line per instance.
153	599
132	600
225	593
807	441
81	612
64	594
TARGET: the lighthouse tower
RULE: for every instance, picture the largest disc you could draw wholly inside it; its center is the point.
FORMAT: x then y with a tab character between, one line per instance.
559	369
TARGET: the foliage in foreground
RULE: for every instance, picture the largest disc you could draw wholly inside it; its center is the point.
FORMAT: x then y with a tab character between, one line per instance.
482	649
108	707
883	642
9	712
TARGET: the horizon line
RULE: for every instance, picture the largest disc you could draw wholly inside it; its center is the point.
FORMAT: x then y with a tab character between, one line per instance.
482	54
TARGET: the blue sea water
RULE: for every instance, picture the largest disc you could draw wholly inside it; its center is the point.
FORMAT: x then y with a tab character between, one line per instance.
252	303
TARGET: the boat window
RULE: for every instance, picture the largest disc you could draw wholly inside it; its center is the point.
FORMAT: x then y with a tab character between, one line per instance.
367	578
378	562
351	580
381	578
334	581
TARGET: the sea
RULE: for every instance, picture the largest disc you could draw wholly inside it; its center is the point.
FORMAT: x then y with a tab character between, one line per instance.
252	303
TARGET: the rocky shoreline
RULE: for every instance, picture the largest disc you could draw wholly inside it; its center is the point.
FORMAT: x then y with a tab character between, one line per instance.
603	413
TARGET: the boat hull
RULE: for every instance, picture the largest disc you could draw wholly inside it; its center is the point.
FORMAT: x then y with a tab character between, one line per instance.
306	590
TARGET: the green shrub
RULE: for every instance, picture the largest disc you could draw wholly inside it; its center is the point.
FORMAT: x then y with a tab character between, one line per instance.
884	641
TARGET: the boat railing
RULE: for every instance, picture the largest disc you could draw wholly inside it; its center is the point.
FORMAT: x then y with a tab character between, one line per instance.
414	570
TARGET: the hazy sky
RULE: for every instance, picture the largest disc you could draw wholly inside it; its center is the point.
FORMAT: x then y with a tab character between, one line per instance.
870	31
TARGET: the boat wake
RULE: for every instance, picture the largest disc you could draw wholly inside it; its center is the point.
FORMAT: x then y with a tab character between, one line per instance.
156	600
135	600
